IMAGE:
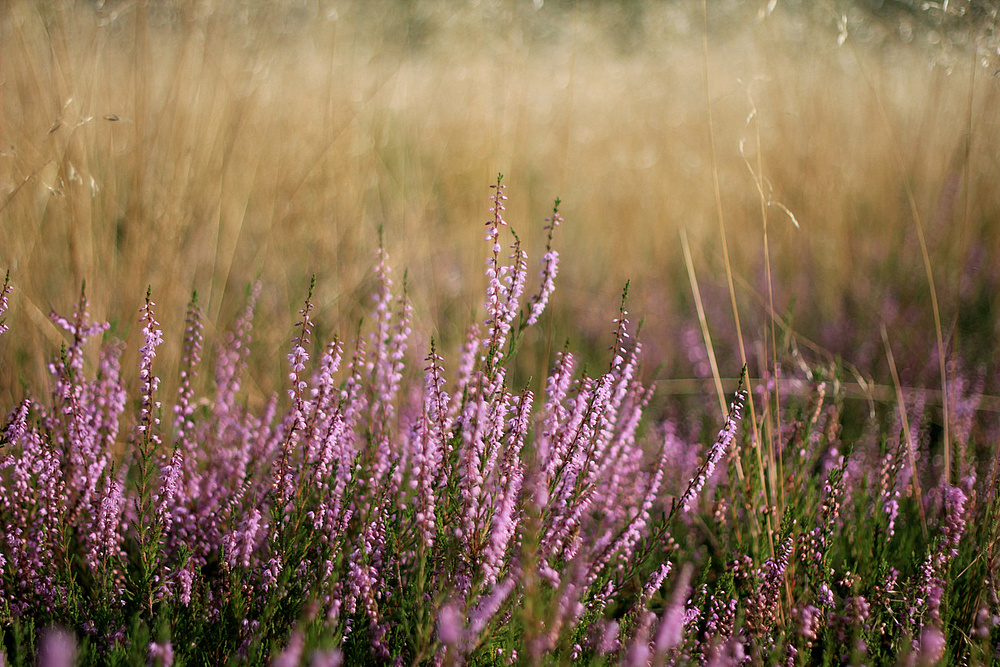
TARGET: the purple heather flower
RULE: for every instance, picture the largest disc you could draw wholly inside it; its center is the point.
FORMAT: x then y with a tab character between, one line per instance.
388	344
550	267
506	284
327	658
810	622
4	293
891	509
621	334
626	541
932	646
183	409
857	610
548	573
638	653
507	492
148	419
282	482
270	574
476	469
80	327
537	306
186	580
985	622
231	357
726	437
161	655
954	523
57	648
170	485
464	372
609	639
107	538
931	590
654	582
85	414
240	545
771	577
553	414
473	449
719	626
108	395
671	630
567	610
323	430
17	423
729	654
484	612
825	596
450	625
292	653
425	465
33	498
297	359
964	397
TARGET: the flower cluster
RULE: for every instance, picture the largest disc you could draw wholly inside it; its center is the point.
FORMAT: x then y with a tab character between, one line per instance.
355	519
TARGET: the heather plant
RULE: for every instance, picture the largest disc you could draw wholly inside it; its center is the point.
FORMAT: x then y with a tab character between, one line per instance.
360	520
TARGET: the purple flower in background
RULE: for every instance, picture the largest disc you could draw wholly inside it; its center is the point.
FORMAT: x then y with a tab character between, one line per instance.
810	621
292	653
4	293
57	648
183	408
327	658
231	357
671	630
161	654
450	625
931	647
609	639
637	654
480	617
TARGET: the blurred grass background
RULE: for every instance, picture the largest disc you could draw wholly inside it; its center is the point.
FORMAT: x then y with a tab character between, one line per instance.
203	145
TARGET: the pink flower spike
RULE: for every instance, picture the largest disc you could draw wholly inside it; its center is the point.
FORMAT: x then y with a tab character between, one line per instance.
4	293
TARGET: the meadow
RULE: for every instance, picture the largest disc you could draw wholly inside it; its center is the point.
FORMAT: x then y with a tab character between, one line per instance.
706	375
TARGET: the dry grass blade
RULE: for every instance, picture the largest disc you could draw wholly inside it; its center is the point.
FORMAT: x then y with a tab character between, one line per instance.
706	334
